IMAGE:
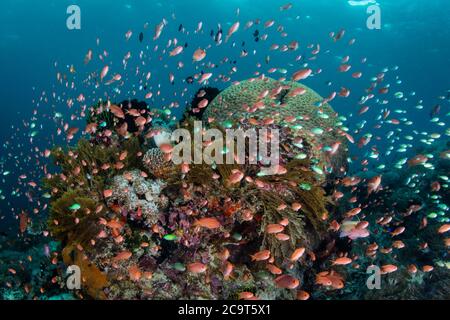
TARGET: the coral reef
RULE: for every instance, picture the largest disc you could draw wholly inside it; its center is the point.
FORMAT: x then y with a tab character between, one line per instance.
141	227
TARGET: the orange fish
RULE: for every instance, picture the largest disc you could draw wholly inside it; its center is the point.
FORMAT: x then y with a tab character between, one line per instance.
301	74
261	255
196	267
286	281
342	261
444	228
23	221
134	273
417	160
209	223
199	55
245	295
124	255
273	269
388	268
302	295
373	184
235	177
117	111
297	254
274	228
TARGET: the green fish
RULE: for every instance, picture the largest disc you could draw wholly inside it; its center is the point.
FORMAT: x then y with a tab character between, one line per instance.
170	237
317	131
305	186
179	266
74	207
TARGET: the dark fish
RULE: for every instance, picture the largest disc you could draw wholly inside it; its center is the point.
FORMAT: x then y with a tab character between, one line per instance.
256	39
256	33
212	34
141	37
190	80
243	43
339	35
218	36
186	45
435	111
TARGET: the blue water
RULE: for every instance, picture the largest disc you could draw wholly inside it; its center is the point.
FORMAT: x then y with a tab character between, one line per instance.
33	36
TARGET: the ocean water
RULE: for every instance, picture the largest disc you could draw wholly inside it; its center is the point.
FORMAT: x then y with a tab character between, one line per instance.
42	68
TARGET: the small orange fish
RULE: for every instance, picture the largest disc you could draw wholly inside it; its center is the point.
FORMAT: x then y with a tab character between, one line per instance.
273	269
107	193
274	228
23	221
134	273
245	295
444	228
388	268
199	55
124	255
286	281
196	267
117	111
261	255
297	254
302	295
342	261
209	223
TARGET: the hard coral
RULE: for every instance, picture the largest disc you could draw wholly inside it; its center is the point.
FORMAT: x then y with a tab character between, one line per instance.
312	122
